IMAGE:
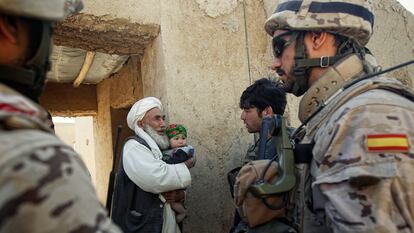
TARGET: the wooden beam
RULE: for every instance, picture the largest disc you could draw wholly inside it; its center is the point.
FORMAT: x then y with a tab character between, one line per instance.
85	68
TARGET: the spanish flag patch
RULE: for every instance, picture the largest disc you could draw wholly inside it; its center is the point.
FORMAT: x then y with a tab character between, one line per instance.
387	143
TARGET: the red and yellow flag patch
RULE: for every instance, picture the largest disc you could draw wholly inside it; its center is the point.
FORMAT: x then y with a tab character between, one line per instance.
387	143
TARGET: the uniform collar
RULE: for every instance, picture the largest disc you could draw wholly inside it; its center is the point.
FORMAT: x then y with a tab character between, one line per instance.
330	82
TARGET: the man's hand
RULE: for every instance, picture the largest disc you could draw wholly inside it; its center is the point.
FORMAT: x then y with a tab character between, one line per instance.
190	162
174	196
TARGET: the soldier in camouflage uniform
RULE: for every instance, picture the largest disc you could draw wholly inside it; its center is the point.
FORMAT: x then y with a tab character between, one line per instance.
44	186
359	175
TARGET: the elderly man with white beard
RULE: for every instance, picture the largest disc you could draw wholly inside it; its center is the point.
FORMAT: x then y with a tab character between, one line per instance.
145	184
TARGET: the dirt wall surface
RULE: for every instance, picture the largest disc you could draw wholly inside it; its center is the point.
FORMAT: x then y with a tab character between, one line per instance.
105	34
393	39
113	27
203	60
63	99
126	85
154	71
137	11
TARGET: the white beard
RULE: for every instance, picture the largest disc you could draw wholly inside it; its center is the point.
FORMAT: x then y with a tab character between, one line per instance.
161	140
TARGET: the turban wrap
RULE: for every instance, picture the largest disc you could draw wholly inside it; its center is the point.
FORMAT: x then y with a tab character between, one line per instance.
140	108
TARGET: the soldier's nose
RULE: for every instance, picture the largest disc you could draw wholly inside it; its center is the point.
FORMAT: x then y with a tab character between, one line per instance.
276	63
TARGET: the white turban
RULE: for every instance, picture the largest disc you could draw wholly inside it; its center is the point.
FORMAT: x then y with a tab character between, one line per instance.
140	108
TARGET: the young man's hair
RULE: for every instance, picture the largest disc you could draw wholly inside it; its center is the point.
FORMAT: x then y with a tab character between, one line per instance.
264	93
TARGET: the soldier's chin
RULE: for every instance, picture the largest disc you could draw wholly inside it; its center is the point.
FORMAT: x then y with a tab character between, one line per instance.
287	87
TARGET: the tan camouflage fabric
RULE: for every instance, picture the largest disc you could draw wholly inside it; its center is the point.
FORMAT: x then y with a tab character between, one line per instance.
343	23
365	191
44	186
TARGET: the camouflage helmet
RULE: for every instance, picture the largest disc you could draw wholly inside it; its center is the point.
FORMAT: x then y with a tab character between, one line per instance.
350	18
51	10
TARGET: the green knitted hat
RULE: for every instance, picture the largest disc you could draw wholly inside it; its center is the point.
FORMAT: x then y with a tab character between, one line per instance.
175	129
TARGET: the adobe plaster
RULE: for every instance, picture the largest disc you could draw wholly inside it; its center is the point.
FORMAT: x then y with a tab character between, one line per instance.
126	85
63	99
198	66
105	34
137	11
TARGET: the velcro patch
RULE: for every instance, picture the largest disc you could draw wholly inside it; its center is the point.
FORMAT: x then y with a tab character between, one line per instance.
387	143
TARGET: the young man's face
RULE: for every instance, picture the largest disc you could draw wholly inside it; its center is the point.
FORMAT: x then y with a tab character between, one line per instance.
156	120
178	141
251	119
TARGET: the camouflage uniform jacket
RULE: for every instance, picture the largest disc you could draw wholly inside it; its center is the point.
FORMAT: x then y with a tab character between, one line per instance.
44	186
363	154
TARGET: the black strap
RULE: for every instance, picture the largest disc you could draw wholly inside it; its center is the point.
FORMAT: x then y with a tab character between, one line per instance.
138	139
303	153
17	75
231	179
301	72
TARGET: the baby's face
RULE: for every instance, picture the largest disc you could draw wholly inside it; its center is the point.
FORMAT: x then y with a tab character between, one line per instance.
178	141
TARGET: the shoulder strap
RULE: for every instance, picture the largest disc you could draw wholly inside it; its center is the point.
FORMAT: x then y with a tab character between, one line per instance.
139	140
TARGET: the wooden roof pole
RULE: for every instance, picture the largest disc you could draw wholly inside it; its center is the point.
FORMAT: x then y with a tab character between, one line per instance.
85	68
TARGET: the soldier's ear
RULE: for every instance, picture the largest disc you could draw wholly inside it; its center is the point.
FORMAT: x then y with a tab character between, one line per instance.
8	29
320	44
320	39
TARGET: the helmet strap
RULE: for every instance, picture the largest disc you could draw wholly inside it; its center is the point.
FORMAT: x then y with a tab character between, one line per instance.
300	72
16	74
303	64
